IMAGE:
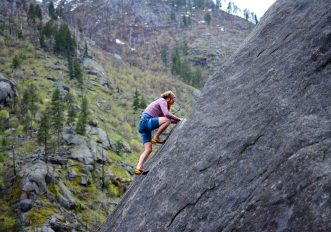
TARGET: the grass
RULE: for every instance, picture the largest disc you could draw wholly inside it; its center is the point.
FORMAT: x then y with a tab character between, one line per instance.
38	216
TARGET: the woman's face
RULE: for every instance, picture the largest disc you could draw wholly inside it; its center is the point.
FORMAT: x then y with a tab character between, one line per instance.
171	100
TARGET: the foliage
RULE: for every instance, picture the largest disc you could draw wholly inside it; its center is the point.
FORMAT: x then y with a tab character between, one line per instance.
71	117
64	42
207	18
186	20
16	62
4	115
29	105
77	72
51	11
44	131
57	115
85	50
82	118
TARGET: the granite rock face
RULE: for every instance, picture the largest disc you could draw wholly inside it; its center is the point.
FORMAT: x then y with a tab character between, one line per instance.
255	152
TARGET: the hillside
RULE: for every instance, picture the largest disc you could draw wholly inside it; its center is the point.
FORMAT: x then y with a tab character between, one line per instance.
79	162
147	33
52	175
258	157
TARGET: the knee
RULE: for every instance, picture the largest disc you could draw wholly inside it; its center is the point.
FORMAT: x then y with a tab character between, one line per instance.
148	150
168	121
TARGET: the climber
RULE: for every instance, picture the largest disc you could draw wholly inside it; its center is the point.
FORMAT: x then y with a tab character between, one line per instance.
156	115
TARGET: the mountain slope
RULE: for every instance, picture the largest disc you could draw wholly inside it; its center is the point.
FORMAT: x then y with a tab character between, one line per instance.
140	31
254	153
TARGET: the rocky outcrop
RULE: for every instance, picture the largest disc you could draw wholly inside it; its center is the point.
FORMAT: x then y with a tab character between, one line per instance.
255	152
34	176
7	89
92	67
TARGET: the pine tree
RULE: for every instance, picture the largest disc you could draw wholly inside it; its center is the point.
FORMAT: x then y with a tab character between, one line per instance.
256	20
29	106
173	17
25	111
78	73
33	99
207	18
85	50
16	62
38	12
31	14
49	29
42	39
44	132
71	117
51	11
82	118
246	13
57	114
142	103
136	101
164	54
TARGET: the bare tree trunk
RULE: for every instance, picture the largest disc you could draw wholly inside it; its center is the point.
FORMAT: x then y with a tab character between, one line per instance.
14	159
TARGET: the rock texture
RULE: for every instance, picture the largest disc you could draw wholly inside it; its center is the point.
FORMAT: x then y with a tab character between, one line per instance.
255	152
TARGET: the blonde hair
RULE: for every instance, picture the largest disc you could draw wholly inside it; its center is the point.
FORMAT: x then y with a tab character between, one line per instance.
168	94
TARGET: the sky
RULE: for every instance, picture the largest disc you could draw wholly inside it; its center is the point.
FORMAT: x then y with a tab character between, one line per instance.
259	7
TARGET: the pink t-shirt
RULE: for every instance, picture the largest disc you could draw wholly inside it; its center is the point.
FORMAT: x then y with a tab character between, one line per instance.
158	108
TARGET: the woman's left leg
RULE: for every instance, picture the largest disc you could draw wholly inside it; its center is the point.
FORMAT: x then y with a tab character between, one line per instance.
143	157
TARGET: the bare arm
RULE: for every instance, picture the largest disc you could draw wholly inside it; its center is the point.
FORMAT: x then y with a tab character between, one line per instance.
166	113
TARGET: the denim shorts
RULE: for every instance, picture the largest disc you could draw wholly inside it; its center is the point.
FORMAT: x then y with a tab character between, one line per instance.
146	124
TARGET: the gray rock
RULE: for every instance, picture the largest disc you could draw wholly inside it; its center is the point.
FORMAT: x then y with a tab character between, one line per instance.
92	67
123	147
62	86
67	200
69	137
102	138
45	228
127	167
84	180
7	89
34	175
93	124
26	205
72	175
83	154
56	159
56	223
51	78
40	56
255	152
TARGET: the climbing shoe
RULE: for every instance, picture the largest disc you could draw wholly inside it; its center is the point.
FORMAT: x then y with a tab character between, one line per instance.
155	140
140	172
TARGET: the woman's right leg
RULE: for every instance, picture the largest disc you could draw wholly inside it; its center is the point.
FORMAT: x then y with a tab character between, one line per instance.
164	122
143	157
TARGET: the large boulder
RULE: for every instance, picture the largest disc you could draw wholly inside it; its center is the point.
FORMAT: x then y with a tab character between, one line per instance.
94	68
255	152
34	177
7	89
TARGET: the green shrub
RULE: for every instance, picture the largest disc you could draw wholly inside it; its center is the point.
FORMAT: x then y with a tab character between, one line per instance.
2	158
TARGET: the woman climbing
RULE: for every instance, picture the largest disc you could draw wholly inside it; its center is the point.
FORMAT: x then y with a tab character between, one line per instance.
156	115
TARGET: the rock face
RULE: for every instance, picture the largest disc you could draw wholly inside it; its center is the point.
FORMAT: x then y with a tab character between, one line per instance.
255	153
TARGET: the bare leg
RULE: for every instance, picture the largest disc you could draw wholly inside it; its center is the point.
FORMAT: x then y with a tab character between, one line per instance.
143	157
164	122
